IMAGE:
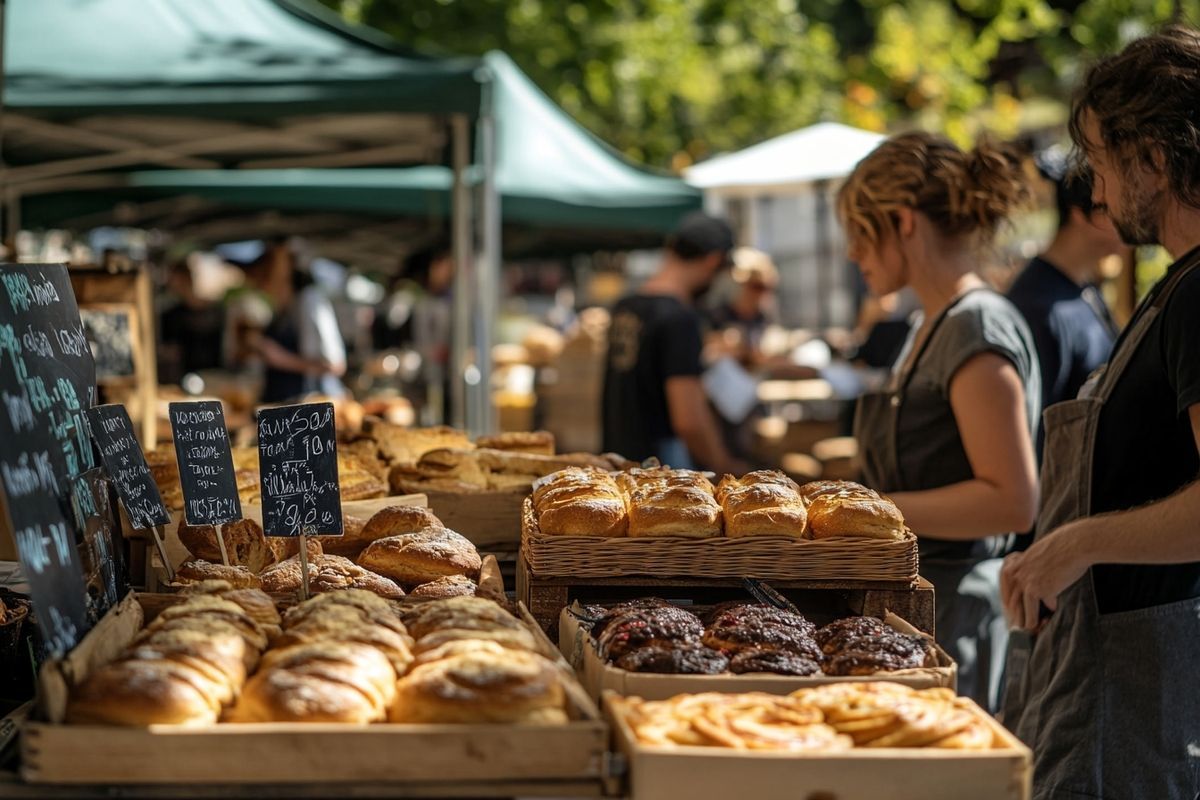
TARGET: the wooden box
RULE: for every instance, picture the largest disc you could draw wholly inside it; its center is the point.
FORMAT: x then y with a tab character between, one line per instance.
490	520
701	773
598	676
462	760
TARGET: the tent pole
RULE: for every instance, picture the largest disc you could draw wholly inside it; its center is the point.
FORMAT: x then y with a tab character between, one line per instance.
461	247
487	296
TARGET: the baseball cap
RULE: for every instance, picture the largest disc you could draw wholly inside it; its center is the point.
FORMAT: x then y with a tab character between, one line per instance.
699	234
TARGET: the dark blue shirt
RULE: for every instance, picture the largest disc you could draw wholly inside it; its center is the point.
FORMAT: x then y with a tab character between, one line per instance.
1071	328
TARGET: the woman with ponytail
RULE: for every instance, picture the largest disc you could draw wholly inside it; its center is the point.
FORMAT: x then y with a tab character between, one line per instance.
950	439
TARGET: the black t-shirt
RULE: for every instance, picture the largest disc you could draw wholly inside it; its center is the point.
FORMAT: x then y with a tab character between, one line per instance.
1071	327
652	338
1145	450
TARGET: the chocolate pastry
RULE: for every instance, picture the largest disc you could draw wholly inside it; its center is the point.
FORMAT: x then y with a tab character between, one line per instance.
735	613
689	660
653	626
845	632
760	627
613	613
776	661
891	651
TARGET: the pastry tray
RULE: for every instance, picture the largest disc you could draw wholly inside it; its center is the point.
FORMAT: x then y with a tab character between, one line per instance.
598	676
461	760
717	773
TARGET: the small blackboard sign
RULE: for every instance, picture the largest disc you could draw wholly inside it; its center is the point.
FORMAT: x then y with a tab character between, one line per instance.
47	380
102	560
206	475
297	464
126	464
110	333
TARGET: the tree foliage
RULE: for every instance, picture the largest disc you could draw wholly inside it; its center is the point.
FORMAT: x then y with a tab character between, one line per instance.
670	82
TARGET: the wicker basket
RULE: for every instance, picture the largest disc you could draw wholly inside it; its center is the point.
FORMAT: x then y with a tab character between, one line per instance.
849	558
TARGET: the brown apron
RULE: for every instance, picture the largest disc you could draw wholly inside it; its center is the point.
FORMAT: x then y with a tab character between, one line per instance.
1110	704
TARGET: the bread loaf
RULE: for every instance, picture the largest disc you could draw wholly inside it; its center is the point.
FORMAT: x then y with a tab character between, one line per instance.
196	571
580	502
245	544
762	503
844	508
478	686
327	574
412	559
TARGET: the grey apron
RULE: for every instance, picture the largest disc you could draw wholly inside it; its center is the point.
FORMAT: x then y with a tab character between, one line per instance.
969	615
1110	704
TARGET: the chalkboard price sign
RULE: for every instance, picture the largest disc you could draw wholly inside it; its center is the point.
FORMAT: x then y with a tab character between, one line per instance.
206	475
47	380
297	462
126	464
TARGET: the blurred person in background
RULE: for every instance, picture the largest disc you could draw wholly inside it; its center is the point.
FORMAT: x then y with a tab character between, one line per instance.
654	403
191	328
950	437
1058	292
301	348
1108	596
741	321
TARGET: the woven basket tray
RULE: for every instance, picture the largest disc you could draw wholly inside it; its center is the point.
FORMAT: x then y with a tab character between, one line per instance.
856	558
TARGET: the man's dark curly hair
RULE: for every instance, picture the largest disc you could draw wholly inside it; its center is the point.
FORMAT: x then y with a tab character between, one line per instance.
1145	102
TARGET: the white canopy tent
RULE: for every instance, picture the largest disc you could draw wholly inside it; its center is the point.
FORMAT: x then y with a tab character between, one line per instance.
778	195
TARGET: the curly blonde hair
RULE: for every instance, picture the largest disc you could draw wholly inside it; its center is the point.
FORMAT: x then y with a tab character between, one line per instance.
962	193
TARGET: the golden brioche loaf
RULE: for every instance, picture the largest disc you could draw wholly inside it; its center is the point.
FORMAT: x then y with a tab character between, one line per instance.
762	504
844	508
684	509
580	502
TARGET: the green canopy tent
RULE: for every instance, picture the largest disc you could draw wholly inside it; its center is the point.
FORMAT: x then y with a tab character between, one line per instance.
95	88
550	172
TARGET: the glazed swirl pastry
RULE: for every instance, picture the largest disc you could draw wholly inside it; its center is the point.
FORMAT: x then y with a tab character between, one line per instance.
664	626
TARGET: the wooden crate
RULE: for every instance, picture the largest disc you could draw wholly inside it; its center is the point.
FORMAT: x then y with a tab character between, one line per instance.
598	676
455	760
547	597
491	520
700	773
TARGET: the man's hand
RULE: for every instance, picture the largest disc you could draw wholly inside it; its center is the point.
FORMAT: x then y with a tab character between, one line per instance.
1039	575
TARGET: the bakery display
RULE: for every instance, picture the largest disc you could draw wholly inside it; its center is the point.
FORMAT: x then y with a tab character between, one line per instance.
837	717
651	636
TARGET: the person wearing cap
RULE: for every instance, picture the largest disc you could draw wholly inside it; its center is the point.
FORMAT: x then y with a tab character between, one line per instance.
1057	292
747	314
654	403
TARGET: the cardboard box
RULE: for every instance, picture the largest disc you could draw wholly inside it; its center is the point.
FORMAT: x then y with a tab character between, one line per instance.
701	773
457	760
598	676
